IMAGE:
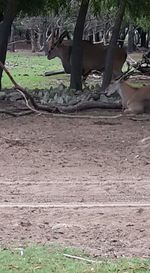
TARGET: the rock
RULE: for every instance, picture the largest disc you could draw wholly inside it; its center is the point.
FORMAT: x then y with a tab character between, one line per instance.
2	95
13	96
25	223
60	100
60	228
97	87
61	87
45	98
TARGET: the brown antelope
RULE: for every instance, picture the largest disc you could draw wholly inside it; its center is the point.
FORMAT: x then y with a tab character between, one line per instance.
94	55
134	100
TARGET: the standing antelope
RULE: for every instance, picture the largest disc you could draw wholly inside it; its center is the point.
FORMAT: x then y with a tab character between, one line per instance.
134	100
94	55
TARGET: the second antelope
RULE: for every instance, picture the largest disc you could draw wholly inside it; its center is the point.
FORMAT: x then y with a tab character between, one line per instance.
94	55
134	100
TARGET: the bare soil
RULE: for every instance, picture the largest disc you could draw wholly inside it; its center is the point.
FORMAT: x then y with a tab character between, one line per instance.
60	177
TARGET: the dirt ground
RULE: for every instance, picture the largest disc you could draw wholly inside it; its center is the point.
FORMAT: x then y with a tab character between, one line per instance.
79	182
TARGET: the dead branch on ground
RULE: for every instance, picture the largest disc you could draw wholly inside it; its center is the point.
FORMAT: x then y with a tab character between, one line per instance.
53	73
27	95
81	259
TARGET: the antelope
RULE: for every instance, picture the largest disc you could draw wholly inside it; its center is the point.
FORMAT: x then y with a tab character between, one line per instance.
94	55
134	100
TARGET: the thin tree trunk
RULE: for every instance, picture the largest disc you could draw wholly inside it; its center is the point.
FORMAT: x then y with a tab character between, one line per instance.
123	34
97	39
44	38
143	38
40	41
90	38
110	53
12	47
131	45
33	41
148	39
76	55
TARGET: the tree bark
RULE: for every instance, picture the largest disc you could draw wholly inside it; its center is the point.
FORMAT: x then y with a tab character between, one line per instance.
148	39
12	47
123	34
143	38
39	40
5	30
44	37
131	45
76	54
110	53
33	41
97	38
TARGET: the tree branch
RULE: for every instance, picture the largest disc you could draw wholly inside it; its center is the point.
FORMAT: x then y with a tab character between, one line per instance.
27	95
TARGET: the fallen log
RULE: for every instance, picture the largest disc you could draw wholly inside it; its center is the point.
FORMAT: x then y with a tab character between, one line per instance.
89	105
53	73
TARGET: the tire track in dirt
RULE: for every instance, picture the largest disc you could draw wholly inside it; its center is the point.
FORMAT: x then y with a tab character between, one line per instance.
66	192
68	162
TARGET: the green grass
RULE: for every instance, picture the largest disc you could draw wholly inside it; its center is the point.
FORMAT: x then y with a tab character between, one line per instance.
28	70
51	260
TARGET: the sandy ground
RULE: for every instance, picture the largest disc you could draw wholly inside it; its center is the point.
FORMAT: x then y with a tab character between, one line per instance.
82	183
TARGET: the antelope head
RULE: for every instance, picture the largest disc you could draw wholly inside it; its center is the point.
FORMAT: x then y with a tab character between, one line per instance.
114	86
54	42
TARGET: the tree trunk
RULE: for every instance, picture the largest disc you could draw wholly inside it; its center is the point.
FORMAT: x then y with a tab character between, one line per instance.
12	47
90	38
97	39
143	38
131	45
123	34
106	32
148	39
33	41
5	30
39	41
44	37
4	35
110	53
93	37
76	54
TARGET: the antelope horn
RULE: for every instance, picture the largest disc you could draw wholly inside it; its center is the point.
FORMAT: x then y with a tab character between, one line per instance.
51	37
62	36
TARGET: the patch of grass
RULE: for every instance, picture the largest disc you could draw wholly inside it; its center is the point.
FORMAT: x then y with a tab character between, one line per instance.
51	260
28	70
